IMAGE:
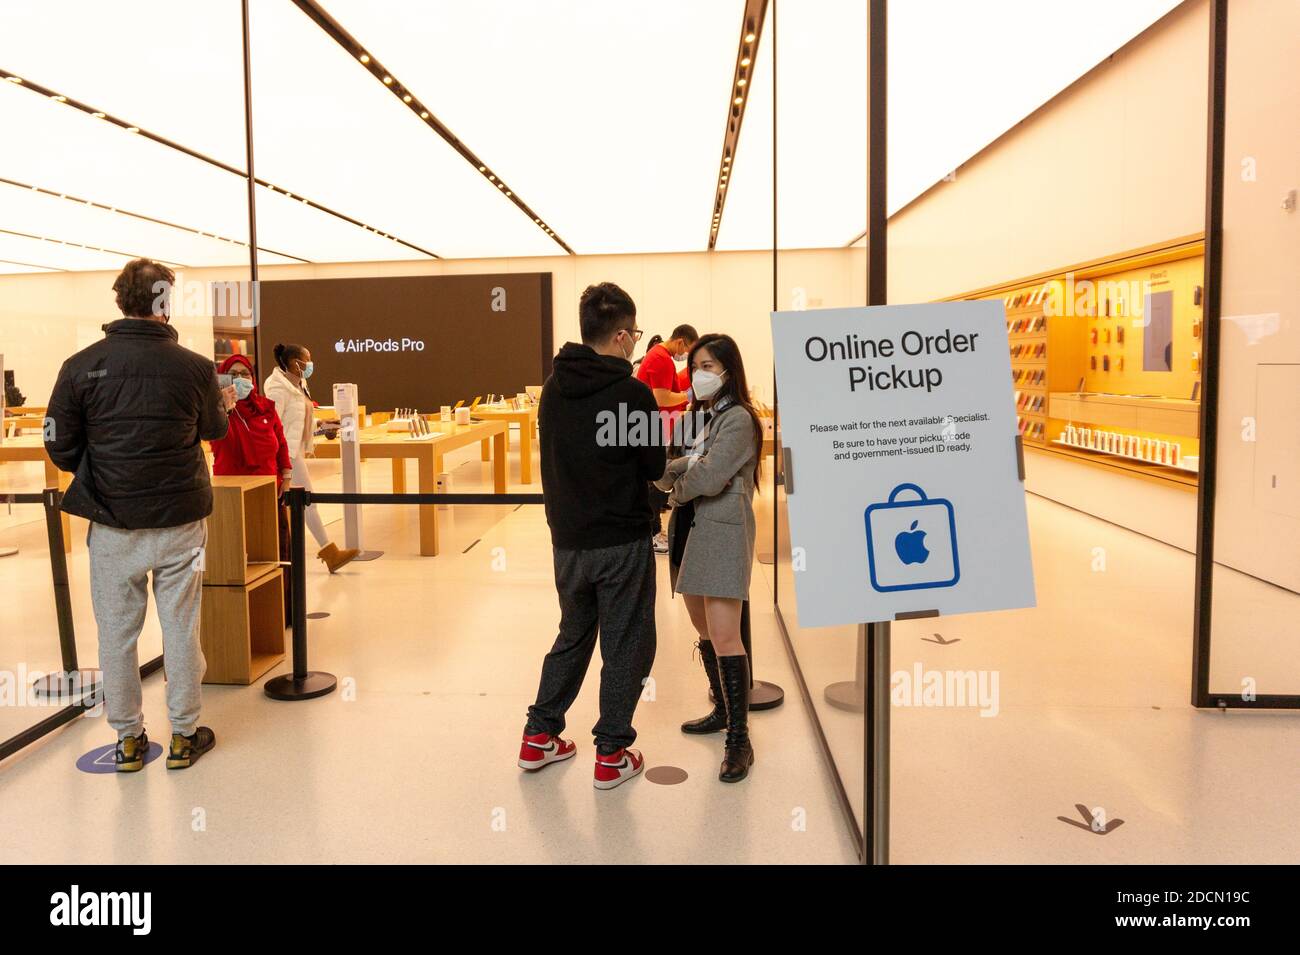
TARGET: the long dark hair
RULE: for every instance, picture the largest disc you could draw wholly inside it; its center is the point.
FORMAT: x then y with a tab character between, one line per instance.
735	385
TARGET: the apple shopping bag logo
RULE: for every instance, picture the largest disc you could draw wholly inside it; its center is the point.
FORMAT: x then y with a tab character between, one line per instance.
912	544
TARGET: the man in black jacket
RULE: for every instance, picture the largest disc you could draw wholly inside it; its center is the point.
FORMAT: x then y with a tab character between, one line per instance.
127	416
600	445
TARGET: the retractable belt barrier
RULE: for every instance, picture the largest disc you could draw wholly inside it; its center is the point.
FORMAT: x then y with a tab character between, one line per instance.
306	684
79	687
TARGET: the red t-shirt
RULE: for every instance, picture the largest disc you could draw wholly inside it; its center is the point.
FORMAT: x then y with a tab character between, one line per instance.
657	370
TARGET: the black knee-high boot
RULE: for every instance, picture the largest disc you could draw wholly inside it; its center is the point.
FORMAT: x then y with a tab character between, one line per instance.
738	754
717	719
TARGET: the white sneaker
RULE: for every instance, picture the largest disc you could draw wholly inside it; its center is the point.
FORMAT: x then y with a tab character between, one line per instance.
661	543
617	768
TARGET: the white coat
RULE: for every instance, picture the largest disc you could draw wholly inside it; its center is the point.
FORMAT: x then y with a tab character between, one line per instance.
292	404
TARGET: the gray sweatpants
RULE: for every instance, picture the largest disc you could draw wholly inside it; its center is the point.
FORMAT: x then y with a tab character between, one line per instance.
120	564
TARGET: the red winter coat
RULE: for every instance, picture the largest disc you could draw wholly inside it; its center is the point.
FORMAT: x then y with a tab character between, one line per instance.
255	442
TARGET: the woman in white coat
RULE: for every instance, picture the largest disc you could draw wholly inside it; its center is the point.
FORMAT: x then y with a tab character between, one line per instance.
287	387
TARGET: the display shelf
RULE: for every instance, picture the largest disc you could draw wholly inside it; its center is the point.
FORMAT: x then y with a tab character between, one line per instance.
1188	465
243	530
241	629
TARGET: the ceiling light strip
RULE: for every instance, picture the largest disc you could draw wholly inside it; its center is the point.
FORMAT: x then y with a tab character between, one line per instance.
34	265
367	60
17	80
145	218
90	248
751	33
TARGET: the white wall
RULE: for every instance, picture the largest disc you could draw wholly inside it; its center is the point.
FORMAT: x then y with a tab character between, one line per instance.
1257	517
1113	163
46	317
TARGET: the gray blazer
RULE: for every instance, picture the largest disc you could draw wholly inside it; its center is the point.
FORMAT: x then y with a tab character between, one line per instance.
719	552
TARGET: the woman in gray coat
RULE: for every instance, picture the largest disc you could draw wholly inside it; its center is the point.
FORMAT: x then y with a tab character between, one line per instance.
711	535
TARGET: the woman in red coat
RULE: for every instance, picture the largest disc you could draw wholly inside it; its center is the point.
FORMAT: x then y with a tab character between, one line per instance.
254	443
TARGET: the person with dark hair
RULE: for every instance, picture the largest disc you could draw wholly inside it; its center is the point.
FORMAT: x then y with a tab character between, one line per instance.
128	416
711	537
658	370
595	487
654	340
286	386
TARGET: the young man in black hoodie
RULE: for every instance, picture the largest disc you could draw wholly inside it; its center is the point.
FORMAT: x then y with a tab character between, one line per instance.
594	473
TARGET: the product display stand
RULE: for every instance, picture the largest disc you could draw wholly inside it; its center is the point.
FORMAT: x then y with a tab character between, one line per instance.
72	681
301	684
345	402
851	695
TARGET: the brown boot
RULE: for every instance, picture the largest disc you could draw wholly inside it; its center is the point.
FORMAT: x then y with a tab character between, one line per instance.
334	557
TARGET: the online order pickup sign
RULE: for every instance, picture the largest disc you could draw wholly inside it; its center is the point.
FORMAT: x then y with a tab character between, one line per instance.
903	485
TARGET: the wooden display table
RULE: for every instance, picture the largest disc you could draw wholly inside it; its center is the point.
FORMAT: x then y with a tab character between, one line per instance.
428	452
525	418
31	447
241	623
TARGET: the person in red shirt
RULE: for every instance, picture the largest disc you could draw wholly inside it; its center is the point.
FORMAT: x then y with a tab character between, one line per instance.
658	371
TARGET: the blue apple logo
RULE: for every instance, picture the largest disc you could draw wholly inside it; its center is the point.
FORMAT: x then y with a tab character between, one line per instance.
910	545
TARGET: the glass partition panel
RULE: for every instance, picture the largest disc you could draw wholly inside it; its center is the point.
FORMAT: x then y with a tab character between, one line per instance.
117	147
1255	622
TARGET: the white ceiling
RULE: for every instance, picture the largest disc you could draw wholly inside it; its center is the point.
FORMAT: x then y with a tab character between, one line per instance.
605	116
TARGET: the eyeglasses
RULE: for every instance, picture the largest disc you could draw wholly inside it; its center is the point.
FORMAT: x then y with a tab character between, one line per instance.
636	334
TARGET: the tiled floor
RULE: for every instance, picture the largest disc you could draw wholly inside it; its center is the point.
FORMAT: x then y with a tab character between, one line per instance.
413	758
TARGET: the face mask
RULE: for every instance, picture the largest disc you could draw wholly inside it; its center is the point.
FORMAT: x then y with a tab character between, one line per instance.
628	355
307	369
243	388
705	384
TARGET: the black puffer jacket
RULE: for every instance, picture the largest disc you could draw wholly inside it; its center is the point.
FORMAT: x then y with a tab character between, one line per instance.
126	417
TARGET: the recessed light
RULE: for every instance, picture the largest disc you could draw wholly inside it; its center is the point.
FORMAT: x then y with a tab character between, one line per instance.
133	129
97	115
406	98
492	178
424	115
59	99
388	81
745	62
741	82
14	79
739	100
749	38
365	57
482	168
501	185
508	192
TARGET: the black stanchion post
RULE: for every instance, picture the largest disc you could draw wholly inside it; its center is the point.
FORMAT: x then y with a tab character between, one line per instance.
72	682
302	684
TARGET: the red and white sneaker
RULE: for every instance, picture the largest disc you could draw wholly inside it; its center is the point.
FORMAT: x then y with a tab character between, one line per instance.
544	749
617	768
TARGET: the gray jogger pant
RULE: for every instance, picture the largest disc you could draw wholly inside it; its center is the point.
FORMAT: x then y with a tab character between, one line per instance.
120	564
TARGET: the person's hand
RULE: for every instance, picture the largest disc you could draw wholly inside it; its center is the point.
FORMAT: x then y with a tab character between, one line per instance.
678	466
228	398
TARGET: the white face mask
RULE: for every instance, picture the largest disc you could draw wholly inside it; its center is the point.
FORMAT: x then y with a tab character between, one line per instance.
705	384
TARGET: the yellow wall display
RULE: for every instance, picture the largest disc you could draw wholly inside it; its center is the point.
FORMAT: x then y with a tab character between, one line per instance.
1106	359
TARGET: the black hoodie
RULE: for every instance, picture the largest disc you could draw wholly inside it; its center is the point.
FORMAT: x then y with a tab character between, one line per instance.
596	488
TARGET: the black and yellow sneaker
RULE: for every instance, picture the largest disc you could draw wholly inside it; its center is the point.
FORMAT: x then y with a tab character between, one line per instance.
129	755
186	750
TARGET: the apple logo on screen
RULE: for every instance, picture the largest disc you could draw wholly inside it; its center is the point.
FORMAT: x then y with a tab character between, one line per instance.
340	345
910	545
